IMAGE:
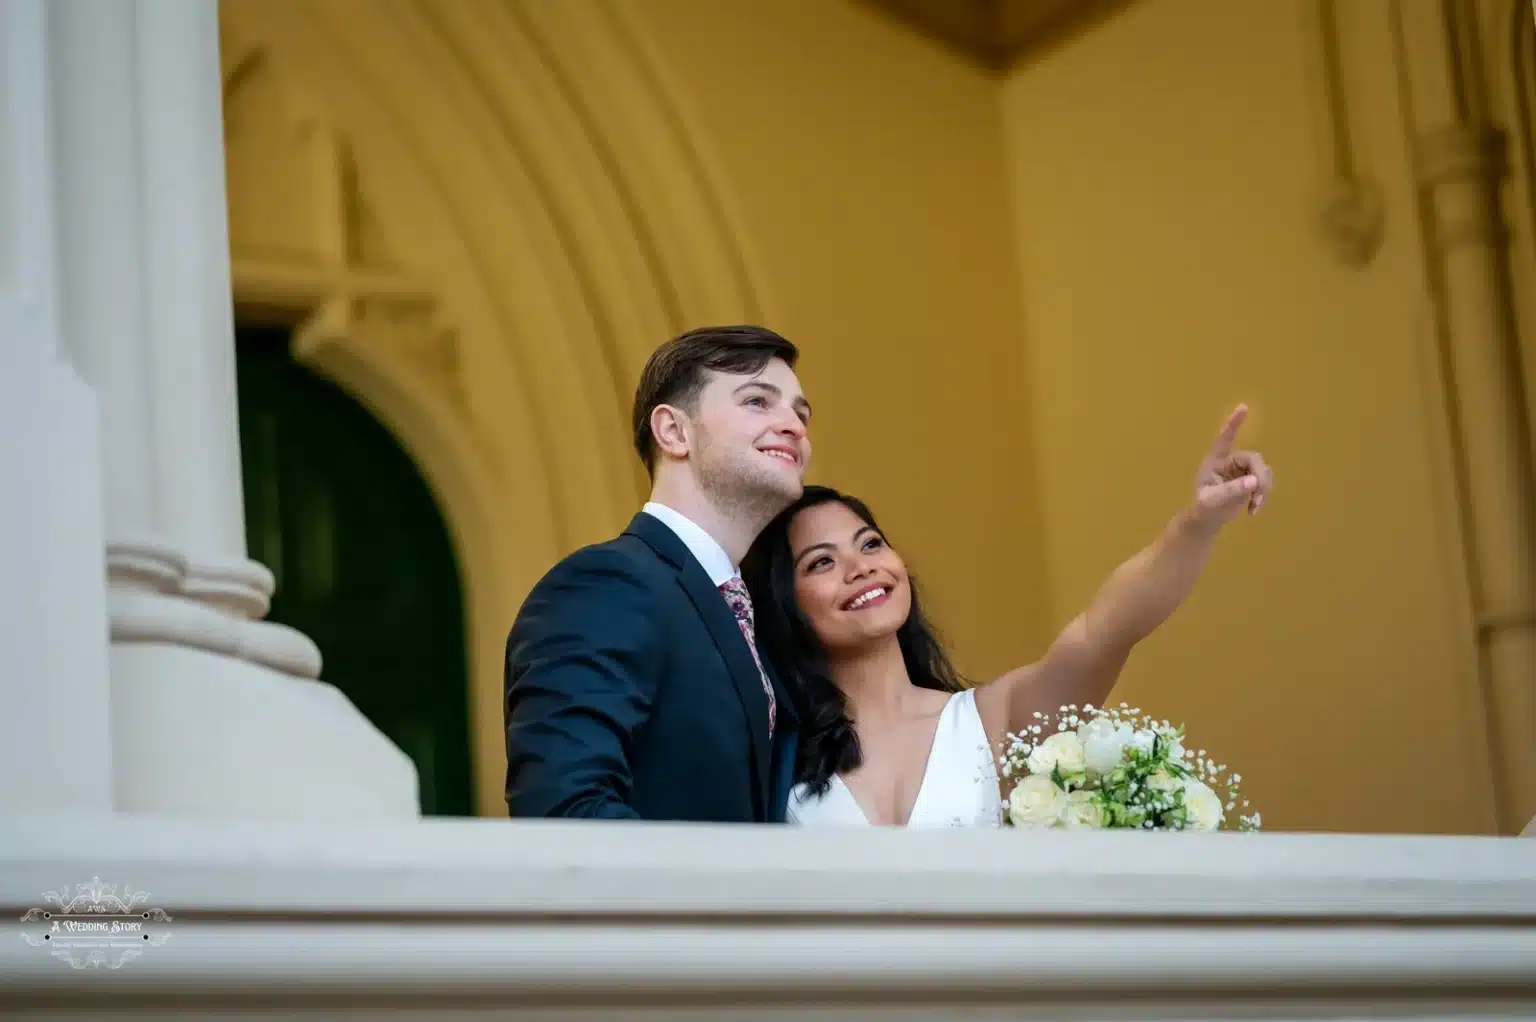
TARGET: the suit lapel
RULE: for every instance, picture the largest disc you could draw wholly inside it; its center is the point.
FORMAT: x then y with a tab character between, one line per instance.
786	751
738	658
726	633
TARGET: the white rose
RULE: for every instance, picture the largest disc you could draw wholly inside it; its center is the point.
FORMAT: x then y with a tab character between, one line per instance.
1103	744
1063	749
1142	741
1203	805
1081	812
1035	802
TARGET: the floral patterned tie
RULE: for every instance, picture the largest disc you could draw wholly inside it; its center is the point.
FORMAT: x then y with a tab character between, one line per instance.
740	602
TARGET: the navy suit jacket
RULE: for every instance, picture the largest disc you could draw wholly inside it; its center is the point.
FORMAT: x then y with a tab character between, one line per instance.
631	693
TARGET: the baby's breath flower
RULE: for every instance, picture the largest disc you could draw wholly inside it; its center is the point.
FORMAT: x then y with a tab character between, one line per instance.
1136	773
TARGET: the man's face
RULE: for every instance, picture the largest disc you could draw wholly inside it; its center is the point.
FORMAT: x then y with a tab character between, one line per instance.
750	443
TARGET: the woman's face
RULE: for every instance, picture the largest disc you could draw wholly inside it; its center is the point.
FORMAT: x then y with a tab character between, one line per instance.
850	585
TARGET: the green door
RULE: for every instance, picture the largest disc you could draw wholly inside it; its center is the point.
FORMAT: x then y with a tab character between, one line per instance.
363	561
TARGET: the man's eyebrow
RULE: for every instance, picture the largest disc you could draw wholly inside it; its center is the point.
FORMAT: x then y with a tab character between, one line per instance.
800	403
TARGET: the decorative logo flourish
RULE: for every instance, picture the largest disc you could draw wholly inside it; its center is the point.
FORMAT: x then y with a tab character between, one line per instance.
96	927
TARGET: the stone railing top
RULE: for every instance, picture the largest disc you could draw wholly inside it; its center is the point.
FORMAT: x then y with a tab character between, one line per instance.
649	922
504	868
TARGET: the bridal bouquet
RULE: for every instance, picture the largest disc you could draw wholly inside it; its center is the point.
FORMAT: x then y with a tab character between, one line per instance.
1115	768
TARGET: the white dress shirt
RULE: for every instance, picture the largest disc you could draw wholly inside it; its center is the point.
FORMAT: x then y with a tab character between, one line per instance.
710	554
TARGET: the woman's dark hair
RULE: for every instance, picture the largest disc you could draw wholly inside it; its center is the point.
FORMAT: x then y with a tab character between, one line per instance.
829	744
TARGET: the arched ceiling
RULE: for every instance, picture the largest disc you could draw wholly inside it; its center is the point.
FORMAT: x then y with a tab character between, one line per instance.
997	33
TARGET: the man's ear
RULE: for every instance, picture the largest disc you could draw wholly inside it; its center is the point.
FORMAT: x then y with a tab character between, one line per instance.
671	430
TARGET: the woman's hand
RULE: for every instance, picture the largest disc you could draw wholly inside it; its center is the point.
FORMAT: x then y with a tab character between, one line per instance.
1083	663
1229	479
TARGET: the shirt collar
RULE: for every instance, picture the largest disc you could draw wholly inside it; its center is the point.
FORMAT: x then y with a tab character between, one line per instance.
709	553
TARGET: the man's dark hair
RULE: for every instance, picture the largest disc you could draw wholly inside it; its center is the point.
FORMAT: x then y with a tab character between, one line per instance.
676	372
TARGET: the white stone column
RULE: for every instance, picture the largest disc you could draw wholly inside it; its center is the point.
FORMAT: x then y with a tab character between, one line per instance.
214	711
55	751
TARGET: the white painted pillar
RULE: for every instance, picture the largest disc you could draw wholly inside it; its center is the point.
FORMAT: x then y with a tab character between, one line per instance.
214	712
55	751
144	254
186	243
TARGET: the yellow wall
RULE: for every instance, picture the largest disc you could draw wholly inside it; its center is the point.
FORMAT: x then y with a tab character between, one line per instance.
1025	304
869	177
1158	181
1161	173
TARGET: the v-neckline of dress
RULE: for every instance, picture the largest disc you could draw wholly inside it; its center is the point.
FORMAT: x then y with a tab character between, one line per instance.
922	785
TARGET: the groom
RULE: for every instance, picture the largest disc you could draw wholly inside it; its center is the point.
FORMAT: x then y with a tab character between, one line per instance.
633	685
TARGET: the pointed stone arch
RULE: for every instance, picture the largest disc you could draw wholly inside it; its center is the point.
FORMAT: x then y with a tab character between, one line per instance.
482	216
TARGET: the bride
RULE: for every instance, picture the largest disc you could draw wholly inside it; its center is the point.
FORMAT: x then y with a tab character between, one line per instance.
890	734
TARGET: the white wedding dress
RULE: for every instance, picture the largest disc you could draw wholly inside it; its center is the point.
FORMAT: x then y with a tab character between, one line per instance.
959	786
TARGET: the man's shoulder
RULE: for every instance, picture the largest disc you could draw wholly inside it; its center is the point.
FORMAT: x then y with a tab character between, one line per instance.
596	586
606	594
625	559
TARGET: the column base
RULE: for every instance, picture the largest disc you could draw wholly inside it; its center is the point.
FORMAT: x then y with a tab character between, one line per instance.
159	594
55	740
200	734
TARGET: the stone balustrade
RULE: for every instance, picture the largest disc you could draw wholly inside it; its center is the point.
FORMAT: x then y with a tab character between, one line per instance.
460	919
